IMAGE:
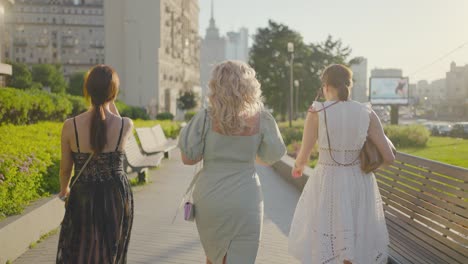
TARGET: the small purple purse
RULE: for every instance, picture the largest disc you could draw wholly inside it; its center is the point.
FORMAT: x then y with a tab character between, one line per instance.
189	213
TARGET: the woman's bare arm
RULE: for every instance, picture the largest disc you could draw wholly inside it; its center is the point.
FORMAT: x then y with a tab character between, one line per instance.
66	161
309	138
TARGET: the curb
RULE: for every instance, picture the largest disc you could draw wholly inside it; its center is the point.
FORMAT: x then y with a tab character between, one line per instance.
284	168
18	232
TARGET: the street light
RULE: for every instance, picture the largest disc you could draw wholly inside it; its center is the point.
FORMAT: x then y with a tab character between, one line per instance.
291	53
296	84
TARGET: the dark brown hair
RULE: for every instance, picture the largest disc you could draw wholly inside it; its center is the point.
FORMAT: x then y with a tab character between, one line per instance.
101	86
340	77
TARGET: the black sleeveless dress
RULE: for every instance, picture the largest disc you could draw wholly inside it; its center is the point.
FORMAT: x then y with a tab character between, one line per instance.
98	221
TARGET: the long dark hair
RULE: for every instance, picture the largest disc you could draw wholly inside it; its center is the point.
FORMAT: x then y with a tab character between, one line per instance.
340	77
101	86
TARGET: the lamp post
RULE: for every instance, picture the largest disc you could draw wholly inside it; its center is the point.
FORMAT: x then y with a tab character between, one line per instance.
291	53
296	84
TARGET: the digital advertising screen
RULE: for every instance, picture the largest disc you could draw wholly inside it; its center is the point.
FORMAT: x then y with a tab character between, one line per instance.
389	90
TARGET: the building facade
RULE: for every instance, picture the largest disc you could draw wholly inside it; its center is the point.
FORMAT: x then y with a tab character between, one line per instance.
359	92
67	32
5	69
154	46
237	45
457	90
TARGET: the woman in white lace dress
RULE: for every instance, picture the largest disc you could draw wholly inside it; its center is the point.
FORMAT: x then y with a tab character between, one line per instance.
339	217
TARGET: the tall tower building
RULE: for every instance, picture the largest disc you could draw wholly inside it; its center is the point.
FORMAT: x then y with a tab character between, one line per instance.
154	47
213	51
237	45
360	92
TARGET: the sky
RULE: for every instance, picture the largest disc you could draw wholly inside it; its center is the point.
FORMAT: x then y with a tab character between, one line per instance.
407	34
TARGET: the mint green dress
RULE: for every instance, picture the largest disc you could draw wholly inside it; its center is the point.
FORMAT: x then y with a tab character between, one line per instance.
227	195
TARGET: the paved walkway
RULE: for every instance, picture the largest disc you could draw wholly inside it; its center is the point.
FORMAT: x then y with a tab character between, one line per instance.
156	240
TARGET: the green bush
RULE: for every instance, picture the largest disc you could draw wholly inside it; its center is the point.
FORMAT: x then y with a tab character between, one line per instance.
132	112
291	134
79	104
189	115
26	107
165	116
407	136
29	164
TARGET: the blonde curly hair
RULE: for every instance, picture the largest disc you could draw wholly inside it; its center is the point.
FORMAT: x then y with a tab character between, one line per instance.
235	96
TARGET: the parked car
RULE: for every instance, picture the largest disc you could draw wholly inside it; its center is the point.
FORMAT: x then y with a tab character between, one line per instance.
460	129
441	129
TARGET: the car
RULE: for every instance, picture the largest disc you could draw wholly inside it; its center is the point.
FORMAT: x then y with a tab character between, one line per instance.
442	129
460	129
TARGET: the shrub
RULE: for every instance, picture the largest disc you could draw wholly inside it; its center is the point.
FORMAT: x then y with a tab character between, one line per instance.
165	116
29	164
132	112
26	107
79	104
188	116
291	134
408	136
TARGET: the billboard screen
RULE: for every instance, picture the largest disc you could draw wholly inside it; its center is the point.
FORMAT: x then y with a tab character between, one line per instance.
389	90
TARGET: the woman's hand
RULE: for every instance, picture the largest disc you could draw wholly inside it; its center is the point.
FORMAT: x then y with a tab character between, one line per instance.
297	171
64	194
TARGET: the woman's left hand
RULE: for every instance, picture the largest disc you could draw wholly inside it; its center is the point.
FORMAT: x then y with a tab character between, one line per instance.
64	194
297	172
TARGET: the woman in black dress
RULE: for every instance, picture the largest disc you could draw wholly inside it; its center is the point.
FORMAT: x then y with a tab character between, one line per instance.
98	220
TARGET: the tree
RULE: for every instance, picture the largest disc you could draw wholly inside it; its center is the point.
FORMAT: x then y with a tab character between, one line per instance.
21	77
49	75
76	83
270	59
187	100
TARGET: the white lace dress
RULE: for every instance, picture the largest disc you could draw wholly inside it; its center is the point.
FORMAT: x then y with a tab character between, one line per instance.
339	215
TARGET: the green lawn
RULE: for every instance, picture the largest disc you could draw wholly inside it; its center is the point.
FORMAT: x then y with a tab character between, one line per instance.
453	151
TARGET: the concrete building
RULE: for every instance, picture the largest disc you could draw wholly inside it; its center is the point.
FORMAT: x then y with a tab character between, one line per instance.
154	46
237	45
67	32
213	51
5	69
457	90
386	73
359	92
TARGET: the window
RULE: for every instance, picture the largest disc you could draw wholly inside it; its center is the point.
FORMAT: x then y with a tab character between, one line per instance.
39	60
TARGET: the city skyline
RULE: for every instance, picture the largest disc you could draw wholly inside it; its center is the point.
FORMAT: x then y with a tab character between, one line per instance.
406	35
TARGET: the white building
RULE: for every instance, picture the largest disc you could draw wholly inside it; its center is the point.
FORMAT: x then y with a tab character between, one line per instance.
237	45
457	90
359	92
5	69
154	47
68	32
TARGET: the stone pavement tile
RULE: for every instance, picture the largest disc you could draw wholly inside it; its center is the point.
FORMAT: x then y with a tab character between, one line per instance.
155	239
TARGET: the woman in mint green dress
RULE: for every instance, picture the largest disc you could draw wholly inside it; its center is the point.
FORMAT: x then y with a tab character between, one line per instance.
227	195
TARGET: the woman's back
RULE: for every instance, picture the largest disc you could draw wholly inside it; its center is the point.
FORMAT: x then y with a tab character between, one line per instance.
347	124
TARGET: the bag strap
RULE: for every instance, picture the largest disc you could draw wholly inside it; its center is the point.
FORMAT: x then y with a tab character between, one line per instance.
81	170
328	140
196	175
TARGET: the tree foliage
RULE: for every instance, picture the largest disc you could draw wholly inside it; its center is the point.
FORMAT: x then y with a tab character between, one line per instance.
49	75
21	77
187	100
76	84
270	59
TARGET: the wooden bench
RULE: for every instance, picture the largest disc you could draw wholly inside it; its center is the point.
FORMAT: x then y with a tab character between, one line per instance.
153	140
426	208
139	162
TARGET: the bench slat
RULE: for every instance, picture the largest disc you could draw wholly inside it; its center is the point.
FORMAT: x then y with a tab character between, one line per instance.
403	243
442	188
426	197
430	224
442	212
447	179
455	251
438	167
398	199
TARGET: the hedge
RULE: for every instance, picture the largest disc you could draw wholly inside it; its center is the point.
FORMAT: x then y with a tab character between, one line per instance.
29	164
20	107
407	136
